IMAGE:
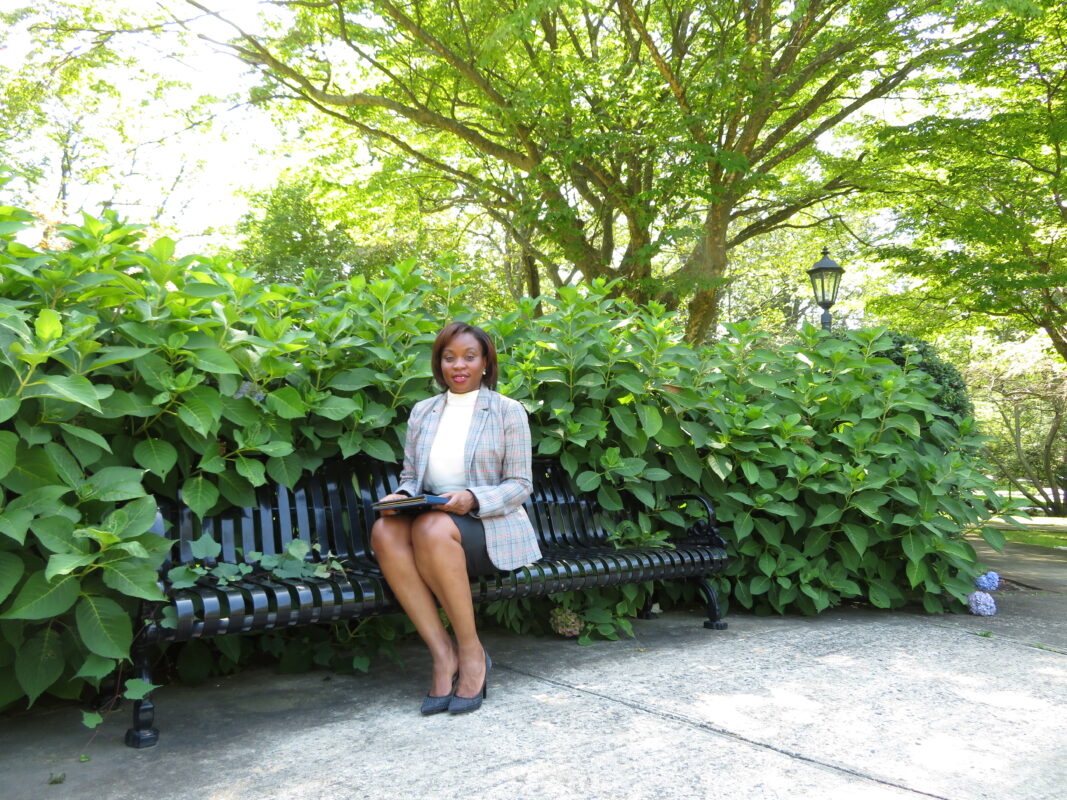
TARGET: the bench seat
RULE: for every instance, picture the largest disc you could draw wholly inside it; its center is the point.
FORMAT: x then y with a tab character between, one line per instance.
331	511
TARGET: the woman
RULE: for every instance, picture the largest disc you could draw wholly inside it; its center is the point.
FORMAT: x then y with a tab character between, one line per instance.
471	445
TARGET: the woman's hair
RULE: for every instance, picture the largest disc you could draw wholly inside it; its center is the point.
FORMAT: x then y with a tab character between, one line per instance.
451	331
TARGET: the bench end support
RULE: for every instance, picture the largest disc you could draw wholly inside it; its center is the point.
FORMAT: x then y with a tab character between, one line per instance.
142	734
711	597
142	739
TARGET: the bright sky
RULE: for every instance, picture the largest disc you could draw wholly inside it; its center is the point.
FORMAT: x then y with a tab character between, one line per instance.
198	174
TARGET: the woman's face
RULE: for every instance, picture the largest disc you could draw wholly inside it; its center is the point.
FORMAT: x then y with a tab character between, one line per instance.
462	363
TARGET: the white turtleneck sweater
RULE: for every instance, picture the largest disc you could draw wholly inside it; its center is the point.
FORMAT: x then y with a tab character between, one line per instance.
446	470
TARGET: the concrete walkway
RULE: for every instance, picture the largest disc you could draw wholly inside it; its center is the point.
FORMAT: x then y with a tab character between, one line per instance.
852	704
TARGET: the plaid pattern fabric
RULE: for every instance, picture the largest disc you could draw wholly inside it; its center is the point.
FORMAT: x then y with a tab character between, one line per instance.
498	466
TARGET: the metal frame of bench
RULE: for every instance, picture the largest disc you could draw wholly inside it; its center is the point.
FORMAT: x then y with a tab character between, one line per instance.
332	508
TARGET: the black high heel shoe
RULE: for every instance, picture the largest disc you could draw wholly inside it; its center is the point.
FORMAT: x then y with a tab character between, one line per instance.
440	703
463	705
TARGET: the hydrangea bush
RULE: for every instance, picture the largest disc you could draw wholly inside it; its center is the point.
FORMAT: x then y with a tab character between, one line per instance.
127	373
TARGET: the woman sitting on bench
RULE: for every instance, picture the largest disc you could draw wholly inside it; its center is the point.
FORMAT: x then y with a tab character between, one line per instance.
471	445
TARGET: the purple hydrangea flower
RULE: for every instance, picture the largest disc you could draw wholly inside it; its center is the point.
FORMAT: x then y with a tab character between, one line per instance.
989	582
982	604
565	622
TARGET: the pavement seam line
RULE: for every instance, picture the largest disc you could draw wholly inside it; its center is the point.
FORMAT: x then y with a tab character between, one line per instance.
708	728
1002	638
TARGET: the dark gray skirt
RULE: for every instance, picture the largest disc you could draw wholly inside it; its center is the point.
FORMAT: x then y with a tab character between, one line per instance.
472	532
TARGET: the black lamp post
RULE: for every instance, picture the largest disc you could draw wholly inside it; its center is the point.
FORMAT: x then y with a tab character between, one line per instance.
825	281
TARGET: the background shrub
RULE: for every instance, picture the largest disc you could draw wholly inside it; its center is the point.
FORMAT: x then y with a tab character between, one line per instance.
127	373
911	352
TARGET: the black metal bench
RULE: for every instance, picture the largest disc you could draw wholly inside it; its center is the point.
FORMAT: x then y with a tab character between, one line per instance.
332	509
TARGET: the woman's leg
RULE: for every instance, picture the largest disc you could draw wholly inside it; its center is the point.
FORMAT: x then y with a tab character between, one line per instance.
442	563
391	540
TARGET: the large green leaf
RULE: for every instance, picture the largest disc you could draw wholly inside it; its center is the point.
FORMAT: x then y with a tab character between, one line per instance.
156	455
138	689
906	423
201	410
134	578
858	535
335	407
286	470
869	503
108	356
48	326
66	563
15	522
200	494
56	533
137	517
95	668
74	388
236	489
8	445
11	569
86	434
720	465
114	484
41	599
651	419
211	359
687	461
624	420
751	471
914	547
352	380
66	465
287	403
255	472
588	481
104	627
379	449
39	663
827	514
205	547
608	498
8	407
32	470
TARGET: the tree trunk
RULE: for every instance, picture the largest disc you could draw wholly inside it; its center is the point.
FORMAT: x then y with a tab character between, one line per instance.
1059	340
533	279
705	272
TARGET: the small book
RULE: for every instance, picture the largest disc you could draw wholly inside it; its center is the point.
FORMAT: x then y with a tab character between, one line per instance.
420	502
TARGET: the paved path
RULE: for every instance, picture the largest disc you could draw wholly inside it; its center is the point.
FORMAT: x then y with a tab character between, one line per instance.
852	704
1028	564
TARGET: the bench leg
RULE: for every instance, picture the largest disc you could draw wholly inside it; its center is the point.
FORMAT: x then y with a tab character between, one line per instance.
711	597
142	734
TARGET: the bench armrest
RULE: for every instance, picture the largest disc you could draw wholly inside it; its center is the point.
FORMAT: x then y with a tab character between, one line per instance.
703	530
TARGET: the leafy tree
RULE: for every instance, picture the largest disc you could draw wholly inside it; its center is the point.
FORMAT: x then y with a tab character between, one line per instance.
92	111
1020	390
606	138
981	194
289	235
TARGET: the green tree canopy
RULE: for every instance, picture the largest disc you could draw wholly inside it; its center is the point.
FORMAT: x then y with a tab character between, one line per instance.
640	140
981	194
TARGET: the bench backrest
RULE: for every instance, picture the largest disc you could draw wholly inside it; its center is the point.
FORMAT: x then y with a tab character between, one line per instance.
332	509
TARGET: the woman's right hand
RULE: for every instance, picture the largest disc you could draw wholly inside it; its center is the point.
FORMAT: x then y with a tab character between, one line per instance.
385	512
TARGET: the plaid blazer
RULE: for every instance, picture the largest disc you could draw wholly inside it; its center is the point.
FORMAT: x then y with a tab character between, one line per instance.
498	465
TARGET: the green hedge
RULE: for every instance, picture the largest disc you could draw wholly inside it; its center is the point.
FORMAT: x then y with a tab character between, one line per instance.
125	372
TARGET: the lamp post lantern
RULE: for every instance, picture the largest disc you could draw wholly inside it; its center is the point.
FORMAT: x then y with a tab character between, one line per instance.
825	281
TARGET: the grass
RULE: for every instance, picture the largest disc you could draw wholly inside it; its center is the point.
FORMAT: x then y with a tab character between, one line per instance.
1043	531
1042	538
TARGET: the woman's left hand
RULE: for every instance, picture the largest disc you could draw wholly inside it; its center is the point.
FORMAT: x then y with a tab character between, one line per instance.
461	502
